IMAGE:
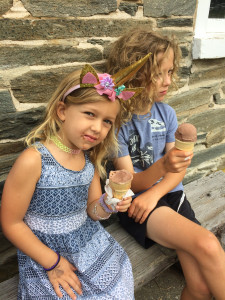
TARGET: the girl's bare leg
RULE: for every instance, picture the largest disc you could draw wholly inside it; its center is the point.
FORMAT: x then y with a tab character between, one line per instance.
190	240
196	287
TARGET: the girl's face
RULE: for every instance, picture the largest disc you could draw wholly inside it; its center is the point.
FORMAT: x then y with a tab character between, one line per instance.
163	80
86	125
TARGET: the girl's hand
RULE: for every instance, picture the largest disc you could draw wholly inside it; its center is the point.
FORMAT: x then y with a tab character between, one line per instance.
63	275
142	206
176	161
123	205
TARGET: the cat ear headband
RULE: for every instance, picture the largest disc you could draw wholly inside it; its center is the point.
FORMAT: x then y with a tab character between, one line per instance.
110	85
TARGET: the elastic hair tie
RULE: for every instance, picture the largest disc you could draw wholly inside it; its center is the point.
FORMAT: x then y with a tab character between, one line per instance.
55	265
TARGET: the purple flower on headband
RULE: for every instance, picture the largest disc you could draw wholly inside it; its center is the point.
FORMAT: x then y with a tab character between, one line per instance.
106	81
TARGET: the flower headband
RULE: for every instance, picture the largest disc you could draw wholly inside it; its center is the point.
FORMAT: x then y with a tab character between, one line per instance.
110	85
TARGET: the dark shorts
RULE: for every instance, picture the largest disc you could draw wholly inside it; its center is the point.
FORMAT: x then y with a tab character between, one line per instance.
175	200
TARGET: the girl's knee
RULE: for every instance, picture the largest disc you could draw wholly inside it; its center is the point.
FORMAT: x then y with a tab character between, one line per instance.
209	246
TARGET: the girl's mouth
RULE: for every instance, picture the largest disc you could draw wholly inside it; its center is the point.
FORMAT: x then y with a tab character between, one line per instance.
163	92
90	138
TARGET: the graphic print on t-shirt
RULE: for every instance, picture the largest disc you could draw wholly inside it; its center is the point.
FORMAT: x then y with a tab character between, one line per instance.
157	126
142	154
141	158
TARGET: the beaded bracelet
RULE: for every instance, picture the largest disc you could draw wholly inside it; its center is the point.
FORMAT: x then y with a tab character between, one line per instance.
99	217
104	206
53	267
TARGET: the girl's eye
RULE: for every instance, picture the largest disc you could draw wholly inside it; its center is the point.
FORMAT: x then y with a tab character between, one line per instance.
170	72
108	122
89	113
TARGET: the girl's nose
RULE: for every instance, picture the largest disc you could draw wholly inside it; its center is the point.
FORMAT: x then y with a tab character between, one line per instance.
166	79
96	126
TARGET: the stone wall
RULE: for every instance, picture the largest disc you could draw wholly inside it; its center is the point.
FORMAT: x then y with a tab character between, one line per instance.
41	41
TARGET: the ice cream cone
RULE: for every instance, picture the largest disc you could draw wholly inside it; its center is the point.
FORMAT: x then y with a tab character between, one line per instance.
120	183
184	145
185	137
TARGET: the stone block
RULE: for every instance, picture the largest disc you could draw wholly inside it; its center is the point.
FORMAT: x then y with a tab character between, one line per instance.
192	177
208	120
215	136
207	70
6	103
11	147
60	8
17	125
6	162
186	101
129	8
5	6
183	35
175	22
47	29
17	55
184	72
185	50
38	86
155	8
208	155
217	99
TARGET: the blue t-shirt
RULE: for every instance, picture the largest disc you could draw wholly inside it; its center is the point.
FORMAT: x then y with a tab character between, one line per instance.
144	137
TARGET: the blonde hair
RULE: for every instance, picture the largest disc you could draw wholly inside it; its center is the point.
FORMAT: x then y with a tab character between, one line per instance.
131	47
51	123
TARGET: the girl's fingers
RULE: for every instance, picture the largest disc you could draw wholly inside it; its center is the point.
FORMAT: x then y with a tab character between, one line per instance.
76	284
68	290
57	290
143	218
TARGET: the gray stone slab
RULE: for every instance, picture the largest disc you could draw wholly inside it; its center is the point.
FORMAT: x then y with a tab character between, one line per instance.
66	28
6	103
61	8
15	56
155	8
189	100
5	6
208	120
18	124
177	22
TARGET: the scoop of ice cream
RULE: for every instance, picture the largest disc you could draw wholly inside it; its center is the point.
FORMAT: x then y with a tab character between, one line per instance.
120	176
186	132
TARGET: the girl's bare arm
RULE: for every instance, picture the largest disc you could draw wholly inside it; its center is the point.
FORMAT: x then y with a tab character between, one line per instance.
174	161
18	190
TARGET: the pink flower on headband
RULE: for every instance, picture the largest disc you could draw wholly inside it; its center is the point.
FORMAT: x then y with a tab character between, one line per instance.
106	86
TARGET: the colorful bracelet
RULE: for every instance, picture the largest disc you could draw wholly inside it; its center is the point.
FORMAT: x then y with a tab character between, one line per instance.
53	267
104	206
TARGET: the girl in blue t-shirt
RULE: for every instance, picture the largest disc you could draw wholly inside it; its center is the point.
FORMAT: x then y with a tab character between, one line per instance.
160	212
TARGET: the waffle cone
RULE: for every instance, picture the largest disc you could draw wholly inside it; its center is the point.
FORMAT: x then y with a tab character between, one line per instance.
119	190
184	145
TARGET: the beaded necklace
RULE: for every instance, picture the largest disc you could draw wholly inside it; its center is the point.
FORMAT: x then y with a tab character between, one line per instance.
64	148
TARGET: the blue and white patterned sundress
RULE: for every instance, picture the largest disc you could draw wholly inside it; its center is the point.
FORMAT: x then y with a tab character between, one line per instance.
57	216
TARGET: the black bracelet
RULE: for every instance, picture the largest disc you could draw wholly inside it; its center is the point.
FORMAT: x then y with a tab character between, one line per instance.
53	267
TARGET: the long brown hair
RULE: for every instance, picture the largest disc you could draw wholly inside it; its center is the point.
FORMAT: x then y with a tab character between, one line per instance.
131	47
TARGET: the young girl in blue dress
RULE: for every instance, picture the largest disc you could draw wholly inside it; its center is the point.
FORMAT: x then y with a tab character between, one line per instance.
52	197
161	213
